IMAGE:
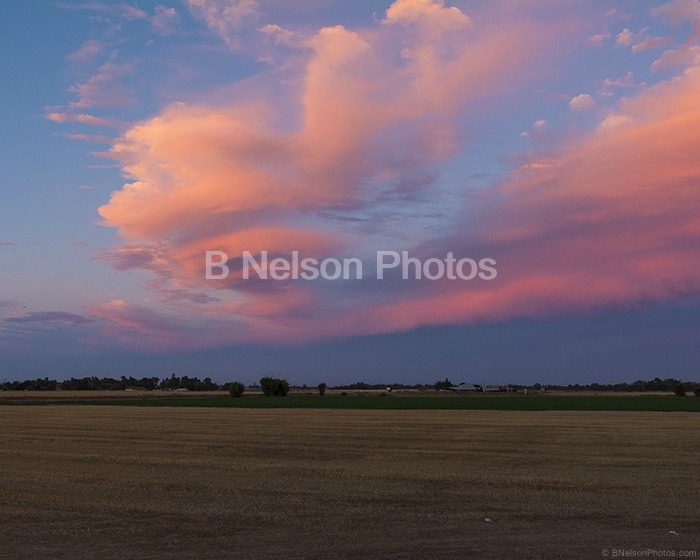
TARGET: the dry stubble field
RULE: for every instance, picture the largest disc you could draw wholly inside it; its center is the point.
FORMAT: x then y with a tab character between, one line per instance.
83	482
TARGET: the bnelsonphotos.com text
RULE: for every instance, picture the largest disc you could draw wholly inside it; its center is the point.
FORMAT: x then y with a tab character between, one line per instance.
388	264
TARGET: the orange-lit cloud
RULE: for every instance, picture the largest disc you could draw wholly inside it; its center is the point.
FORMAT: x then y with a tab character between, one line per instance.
612	219
608	218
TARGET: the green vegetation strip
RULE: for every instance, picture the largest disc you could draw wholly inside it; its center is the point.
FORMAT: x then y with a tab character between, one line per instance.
471	402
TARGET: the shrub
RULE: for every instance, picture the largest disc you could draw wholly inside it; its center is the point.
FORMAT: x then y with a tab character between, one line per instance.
272	386
679	390
344	394
697	392
322	389
236	389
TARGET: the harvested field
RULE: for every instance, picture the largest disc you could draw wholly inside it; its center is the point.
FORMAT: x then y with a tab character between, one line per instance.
125	482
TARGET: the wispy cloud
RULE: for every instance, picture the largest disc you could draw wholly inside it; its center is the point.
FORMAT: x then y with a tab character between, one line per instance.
84	118
165	20
49	318
105	88
88	51
94	138
226	18
121	10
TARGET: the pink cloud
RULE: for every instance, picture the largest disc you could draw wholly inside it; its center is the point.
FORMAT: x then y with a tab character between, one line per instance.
87	51
625	38
122	10
93	138
651	43
430	13
607	219
105	88
678	12
225	17
165	20
685	55
582	102
598	39
83	118
192	162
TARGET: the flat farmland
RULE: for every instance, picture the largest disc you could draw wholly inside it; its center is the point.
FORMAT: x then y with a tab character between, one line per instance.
106	482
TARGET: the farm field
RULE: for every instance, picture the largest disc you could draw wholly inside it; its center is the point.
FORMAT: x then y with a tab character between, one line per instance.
213	483
428	401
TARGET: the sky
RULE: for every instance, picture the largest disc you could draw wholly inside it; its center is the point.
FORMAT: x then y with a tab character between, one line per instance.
558	139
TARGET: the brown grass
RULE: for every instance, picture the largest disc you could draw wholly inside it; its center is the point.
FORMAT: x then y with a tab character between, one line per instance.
120	482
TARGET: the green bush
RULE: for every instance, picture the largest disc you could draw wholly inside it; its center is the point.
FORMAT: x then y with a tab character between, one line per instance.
697	392
236	389
679	390
322	389
274	387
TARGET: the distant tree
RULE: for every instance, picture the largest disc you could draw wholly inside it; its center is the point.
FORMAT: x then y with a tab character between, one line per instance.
443	384
236	389
272	386
322	389
679	390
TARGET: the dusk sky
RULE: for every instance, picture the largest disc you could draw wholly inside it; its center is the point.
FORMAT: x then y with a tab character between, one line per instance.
560	138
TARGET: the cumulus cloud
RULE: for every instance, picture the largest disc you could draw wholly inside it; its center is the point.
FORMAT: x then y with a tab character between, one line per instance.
582	102
688	53
626	81
679	11
649	43
625	38
685	55
431	13
537	131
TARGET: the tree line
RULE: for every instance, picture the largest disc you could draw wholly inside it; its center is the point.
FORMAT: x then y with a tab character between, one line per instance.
274	386
93	383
